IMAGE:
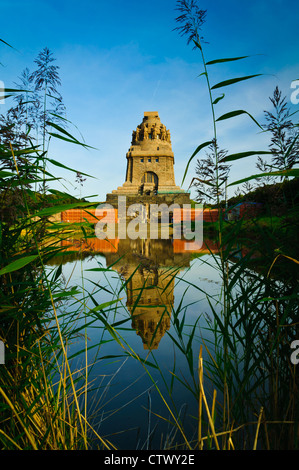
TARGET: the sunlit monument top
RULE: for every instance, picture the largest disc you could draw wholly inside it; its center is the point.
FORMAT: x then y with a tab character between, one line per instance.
150	161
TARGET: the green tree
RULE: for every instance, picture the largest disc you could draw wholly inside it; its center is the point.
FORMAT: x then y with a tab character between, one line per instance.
46	81
210	189
284	137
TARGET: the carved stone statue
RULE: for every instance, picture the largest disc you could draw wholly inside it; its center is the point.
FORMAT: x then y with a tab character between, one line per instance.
145	132
154	131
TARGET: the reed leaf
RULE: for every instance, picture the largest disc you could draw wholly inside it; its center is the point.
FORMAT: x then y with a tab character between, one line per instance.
200	147
220	61
238	113
219	98
18	264
61	165
233	80
238	156
294	172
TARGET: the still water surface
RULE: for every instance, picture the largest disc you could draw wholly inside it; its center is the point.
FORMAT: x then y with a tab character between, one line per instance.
160	285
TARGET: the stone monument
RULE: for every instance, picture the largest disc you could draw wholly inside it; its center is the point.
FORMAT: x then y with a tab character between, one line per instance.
150	165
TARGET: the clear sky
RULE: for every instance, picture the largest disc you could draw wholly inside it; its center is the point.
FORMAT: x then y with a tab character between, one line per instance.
120	58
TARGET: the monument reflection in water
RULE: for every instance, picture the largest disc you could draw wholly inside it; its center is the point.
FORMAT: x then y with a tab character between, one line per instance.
148	268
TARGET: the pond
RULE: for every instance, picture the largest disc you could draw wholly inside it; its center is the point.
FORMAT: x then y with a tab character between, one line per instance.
143	370
145	309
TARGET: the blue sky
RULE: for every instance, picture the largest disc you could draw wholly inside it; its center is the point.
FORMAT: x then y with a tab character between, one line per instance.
120	58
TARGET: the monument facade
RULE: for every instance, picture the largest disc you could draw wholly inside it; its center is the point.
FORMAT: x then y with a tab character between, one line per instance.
150	165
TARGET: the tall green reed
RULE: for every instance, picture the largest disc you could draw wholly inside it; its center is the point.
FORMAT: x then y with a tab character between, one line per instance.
40	392
257	321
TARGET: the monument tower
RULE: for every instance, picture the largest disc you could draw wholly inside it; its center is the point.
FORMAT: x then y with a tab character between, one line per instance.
150	161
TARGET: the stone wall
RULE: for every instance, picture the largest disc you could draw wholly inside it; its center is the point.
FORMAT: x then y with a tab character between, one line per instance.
112	215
